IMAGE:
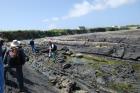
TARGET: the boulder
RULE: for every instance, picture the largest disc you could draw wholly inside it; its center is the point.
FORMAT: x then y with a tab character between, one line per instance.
66	66
65	48
68	53
79	55
118	51
132	52
100	80
82	91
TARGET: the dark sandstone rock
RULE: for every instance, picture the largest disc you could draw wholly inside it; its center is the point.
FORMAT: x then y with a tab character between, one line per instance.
66	66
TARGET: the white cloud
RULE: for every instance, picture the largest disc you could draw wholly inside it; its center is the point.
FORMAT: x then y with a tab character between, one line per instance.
55	19
117	3
45	20
86	7
52	19
80	10
51	26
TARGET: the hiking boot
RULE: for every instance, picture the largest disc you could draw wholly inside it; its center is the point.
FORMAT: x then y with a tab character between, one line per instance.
21	91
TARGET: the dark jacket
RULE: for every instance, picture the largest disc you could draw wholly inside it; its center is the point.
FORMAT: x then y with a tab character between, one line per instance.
1	44
31	42
16	61
4	49
0	50
53	47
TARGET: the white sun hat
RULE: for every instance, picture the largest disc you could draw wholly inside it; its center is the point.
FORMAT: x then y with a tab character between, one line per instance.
19	42
14	43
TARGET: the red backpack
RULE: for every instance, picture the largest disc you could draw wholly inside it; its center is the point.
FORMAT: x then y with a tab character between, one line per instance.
13	53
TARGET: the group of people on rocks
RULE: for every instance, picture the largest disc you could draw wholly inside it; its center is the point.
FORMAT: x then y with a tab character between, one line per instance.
13	58
52	49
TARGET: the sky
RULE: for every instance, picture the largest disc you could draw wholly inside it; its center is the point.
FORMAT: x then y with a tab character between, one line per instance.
67	14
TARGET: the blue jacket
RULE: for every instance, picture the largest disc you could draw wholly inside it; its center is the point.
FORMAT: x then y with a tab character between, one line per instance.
1	72
0	50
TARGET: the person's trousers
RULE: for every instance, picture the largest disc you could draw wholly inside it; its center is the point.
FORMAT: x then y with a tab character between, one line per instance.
52	56
19	76
33	48
1	76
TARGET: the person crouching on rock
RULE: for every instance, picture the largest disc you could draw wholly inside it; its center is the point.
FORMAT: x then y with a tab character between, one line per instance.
52	51
14	59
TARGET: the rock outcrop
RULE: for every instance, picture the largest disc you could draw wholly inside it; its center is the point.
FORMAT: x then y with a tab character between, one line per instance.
76	72
124	45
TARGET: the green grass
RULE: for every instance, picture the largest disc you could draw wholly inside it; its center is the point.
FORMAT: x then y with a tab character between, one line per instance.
122	87
136	66
96	62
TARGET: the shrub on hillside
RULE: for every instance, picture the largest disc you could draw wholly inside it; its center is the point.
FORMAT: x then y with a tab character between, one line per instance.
97	30
111	28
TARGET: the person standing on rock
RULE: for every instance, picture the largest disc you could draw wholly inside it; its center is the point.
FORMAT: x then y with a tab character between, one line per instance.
52	51
20	47
33	45
1	69
14	59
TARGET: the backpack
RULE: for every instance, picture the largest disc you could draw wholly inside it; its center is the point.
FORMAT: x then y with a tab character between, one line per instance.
13	53
54	48
13	57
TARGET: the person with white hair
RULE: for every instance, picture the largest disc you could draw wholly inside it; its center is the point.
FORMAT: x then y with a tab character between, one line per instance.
14	59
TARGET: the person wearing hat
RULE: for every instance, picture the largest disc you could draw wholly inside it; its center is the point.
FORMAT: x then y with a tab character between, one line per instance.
1	68
21	48
14	59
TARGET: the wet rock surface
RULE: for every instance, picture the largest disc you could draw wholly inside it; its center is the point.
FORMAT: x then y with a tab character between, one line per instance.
34	82
123	44
72	74
75	72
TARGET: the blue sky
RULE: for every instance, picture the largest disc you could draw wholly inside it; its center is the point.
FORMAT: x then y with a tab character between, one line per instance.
49	14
